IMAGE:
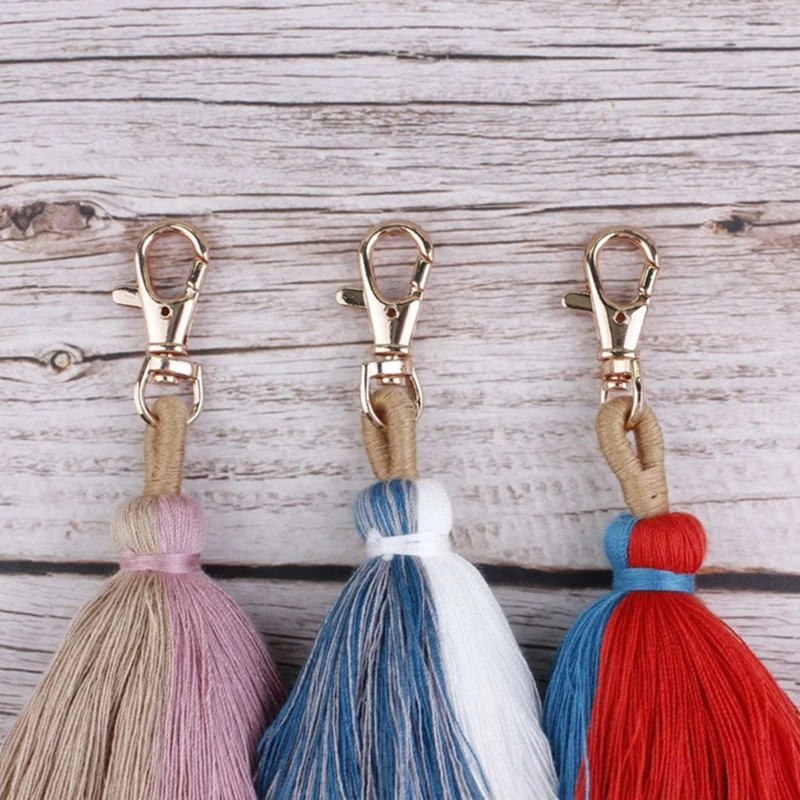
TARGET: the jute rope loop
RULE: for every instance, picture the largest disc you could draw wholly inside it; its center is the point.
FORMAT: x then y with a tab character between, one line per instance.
164	446
639	468
392	450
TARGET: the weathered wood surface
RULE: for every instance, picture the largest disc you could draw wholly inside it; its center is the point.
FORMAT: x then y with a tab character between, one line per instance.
512	132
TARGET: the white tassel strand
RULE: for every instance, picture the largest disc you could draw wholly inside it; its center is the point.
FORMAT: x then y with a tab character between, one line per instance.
494	695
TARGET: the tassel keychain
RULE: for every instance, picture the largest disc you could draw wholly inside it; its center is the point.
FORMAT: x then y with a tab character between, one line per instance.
415	688
652	696
161	686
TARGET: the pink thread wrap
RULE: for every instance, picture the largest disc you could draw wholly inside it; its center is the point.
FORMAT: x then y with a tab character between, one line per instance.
172	563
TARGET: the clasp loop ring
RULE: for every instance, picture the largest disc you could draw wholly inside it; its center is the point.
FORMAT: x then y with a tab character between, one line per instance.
392	321
168	320
618	326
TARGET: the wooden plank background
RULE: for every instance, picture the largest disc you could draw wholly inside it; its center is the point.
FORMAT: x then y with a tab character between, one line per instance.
512	132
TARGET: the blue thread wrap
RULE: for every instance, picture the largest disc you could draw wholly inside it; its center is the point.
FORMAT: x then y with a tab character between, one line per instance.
643	579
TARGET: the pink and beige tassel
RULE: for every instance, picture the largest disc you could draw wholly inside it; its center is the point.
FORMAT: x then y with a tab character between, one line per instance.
161	686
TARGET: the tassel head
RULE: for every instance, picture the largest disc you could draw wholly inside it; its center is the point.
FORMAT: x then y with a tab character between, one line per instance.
162	535
419	511
674	542
159	524
658	554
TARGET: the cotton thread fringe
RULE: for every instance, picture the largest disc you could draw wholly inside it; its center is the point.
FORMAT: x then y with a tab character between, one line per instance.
415	688
655	698
161	686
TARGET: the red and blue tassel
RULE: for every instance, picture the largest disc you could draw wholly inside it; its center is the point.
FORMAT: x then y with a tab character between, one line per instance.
653	697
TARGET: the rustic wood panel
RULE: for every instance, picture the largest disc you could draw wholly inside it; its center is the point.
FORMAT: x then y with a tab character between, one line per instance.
34	613
512	132
71	29
510	380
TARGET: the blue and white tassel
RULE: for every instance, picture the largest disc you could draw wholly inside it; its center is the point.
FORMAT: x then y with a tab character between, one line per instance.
415	688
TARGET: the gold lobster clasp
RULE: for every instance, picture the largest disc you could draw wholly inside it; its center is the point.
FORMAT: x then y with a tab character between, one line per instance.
392	321
619	327
168	320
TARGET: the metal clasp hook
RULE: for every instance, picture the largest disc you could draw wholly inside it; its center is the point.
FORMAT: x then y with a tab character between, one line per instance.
392	321
619	327
168	320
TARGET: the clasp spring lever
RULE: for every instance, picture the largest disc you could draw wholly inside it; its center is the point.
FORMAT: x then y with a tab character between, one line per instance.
168	320
619	327
392	321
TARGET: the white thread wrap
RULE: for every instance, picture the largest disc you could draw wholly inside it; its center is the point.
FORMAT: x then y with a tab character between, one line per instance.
412	544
